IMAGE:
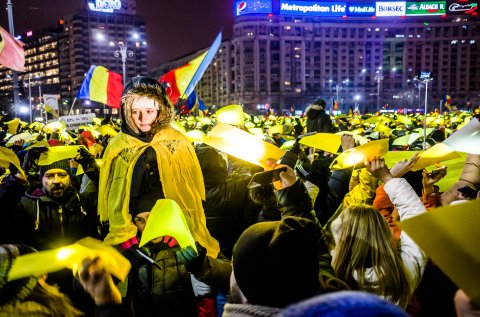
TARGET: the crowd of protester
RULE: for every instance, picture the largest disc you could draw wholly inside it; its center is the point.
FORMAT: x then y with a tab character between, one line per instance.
315	242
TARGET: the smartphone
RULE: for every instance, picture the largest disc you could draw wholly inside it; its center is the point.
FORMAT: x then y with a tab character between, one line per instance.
468	192
436	171
264	178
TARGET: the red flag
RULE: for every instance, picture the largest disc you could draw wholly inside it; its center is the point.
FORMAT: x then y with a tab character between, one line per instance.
11	52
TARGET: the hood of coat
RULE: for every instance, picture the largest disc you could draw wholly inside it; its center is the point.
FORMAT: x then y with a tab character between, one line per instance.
313	111
37	193
147	87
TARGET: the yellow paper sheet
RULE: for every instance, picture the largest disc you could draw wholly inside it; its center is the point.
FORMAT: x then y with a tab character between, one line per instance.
450	236
106	129
467	139
25	136
37	144
231	114
58	153
436	154
358	138
167	219
242	145
13	125
7	156
359	154
34	264
324	141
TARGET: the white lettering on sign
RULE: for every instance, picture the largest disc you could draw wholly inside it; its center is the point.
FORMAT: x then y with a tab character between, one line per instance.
74	122
457	7
391	8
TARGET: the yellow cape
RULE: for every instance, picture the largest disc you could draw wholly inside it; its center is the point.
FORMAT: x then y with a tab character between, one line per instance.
180	174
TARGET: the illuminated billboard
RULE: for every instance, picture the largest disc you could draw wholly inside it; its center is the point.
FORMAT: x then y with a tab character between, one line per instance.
252	7
426	8
313	8
391	9
462	7
104	5
361	9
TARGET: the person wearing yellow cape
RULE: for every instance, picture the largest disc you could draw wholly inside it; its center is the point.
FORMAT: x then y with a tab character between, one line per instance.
150	158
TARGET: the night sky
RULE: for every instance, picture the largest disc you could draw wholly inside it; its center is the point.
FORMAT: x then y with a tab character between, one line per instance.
174	27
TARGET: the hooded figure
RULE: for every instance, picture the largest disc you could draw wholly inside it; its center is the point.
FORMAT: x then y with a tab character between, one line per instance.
150	156
317	119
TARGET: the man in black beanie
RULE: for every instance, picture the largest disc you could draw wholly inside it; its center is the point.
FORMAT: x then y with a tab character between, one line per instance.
274	264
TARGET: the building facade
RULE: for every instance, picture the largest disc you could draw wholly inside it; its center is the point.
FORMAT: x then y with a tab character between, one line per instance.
285	54
57	58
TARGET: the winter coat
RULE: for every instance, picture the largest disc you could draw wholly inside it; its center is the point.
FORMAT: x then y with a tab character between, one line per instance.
11	191
161	292
318	120
228	208
45	223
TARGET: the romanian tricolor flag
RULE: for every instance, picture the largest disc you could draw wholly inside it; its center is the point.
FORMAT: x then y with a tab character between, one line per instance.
102	85
335	104
181	81
447	101
11	52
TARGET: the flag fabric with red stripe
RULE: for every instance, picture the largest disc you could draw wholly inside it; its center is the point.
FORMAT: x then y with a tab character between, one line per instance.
181	81
447	101
11	52
102	85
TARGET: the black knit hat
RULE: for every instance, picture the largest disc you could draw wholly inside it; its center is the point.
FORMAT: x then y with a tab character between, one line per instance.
17	290
62	164
320	102
276	263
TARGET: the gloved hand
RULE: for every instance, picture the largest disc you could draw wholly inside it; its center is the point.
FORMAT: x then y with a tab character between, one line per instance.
193	261
83	157
30	160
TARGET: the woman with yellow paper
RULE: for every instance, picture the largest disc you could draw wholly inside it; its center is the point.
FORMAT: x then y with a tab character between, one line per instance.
149	160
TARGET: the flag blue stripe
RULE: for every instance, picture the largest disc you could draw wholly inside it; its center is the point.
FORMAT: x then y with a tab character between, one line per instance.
84	92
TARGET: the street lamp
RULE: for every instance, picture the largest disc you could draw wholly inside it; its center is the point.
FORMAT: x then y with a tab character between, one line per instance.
379	79
124	52
424	79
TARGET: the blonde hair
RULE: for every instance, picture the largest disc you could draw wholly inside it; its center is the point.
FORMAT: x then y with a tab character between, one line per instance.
162	104
364	242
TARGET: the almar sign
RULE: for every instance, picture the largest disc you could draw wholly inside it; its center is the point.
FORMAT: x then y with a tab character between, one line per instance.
426	8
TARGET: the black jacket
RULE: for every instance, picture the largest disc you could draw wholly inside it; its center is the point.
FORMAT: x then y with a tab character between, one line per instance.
44	223
318	120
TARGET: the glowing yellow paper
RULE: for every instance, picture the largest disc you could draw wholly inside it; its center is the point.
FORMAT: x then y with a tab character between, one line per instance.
7	156
26	136
436	154
359	154
407	139
54	126
467	139
232	114
167	219
35	264
13	125
38	144
276	129
380	128
450	236
324	141
195	136
106	129
243	145
58	153
178	126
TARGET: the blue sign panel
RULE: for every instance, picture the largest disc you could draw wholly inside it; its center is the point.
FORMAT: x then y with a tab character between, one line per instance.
252	7
361	9
311	8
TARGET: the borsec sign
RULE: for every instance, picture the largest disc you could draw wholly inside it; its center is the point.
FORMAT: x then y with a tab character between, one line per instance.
391	9
253	7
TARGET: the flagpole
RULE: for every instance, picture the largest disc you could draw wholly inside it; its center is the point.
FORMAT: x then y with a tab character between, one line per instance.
71	108
14	72
441	104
